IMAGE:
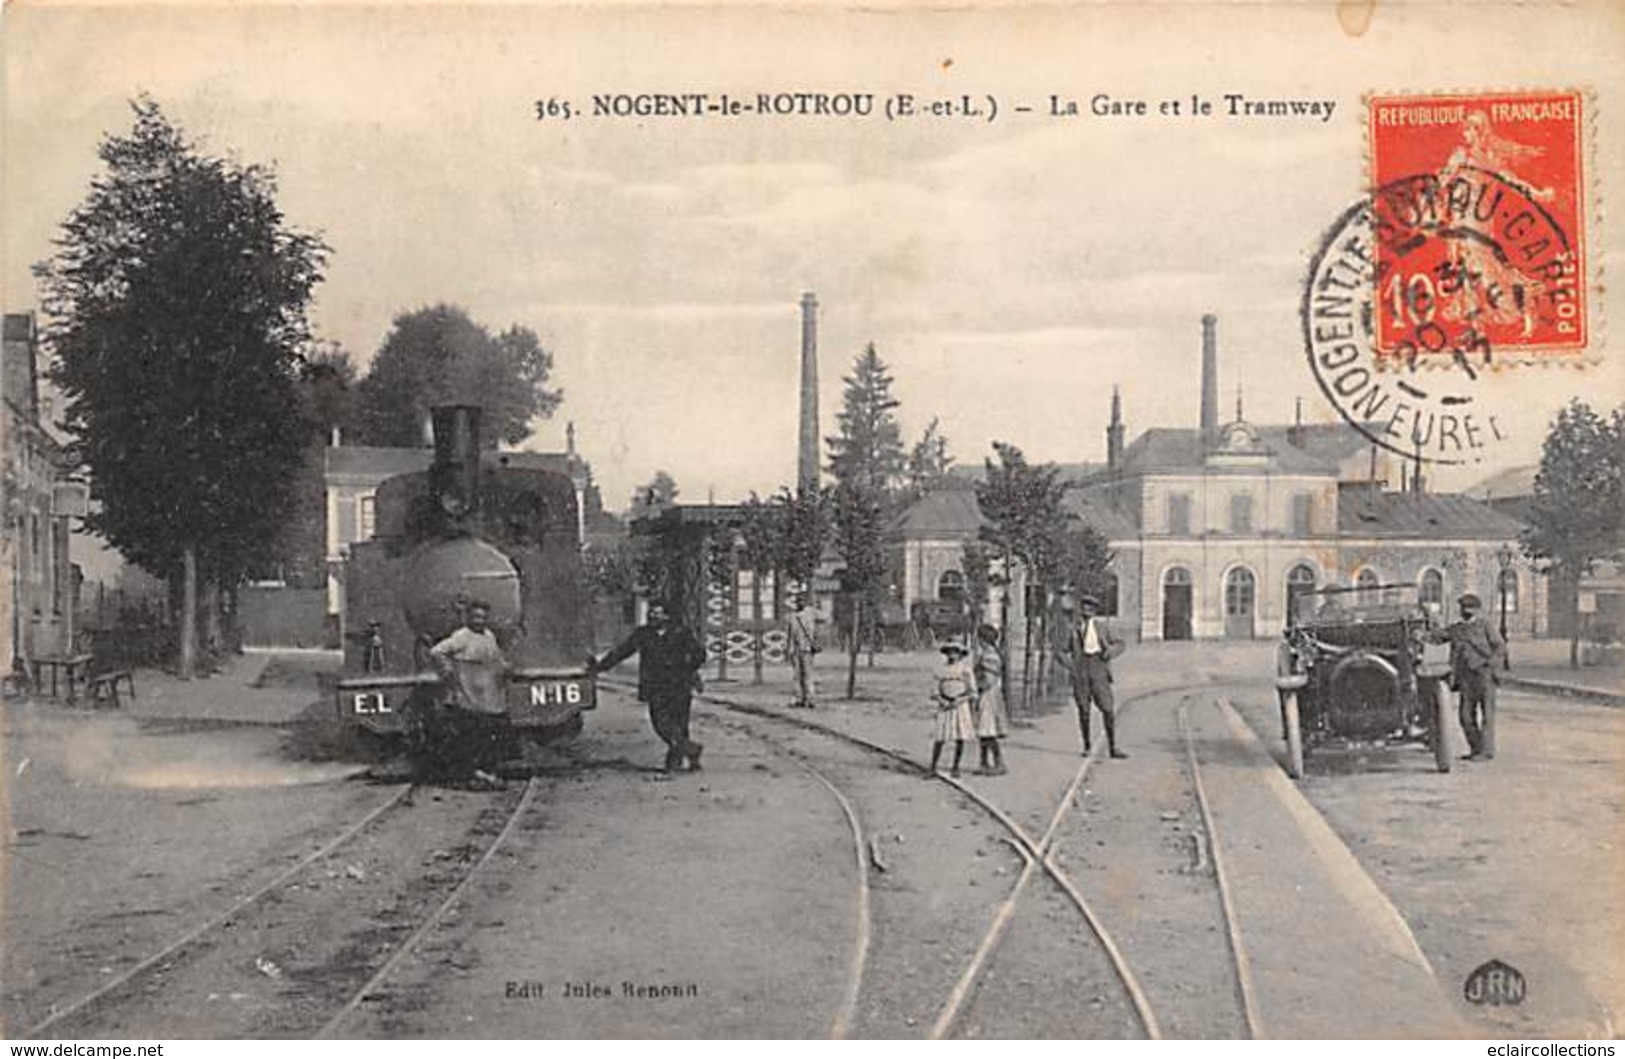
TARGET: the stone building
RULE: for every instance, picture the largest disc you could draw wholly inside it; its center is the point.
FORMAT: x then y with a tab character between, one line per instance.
38	498
1212	526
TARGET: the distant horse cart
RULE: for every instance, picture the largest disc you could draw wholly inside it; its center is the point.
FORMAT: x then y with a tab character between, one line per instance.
1363	672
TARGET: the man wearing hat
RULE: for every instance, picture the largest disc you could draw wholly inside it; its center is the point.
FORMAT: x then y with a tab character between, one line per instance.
1476	649
669	661
1087	646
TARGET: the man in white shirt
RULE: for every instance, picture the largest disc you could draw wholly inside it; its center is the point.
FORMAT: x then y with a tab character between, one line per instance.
467	733
1087	646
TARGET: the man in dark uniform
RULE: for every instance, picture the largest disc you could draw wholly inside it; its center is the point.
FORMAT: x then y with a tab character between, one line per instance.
669	661
1086	647
1476	649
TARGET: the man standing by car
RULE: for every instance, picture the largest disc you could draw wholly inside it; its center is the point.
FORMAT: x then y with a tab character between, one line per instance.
1476	649
669	661
1087	646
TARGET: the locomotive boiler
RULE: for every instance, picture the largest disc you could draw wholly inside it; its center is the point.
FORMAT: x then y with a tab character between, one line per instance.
480	526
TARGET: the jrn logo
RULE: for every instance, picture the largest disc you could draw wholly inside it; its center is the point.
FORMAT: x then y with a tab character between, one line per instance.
1495	983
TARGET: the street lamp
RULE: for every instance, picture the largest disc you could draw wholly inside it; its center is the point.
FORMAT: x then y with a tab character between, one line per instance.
1503	557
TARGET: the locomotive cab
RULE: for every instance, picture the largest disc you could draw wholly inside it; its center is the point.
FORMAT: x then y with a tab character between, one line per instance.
500	529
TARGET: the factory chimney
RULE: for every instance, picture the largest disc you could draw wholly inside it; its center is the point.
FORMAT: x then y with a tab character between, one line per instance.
1114	435
1210	380
807	455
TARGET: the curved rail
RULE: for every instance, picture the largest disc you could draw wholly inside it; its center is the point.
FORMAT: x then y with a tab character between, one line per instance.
1238	951
1036	854
222	918
864	931
434	918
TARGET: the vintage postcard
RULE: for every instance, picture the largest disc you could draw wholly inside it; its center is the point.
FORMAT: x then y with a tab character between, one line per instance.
804	521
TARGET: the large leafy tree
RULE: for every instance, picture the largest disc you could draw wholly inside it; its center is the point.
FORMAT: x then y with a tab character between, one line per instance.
866	457
1579	504
176	305
441	355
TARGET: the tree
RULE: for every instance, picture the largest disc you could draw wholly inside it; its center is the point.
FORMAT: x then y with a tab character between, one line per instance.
440	355
654	497
868	450
327	378
1022	506
865	459
177	303
1579	502
928	461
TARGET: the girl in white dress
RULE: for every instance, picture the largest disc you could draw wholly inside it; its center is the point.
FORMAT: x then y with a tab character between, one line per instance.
953	690
992	718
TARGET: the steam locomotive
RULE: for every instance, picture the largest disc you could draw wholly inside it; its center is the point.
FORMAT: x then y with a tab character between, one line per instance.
476	526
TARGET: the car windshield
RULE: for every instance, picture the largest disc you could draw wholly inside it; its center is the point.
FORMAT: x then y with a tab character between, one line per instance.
1363	603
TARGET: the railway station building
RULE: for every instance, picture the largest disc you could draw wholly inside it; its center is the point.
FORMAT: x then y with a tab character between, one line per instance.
1213	526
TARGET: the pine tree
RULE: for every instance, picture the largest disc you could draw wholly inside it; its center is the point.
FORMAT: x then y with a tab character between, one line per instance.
866	458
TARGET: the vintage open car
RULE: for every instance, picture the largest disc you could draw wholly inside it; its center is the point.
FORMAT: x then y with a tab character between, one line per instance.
1363	672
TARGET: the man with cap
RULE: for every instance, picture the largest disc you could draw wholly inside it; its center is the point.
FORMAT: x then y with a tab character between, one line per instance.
800	644
1086	646
669	661
1476	649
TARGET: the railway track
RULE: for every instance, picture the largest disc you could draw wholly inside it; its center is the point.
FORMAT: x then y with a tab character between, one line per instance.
88	1003
144	979
1038	857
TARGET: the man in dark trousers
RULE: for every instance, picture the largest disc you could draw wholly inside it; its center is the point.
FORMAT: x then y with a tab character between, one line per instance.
1086	646
1476	649
669	661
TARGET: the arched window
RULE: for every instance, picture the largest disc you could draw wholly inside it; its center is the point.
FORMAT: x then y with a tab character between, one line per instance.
951	586
1177	575
1509	585
1432	589
1300	578
1240	589
1367	581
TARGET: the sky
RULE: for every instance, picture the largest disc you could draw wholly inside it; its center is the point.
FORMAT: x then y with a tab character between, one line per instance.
1010	272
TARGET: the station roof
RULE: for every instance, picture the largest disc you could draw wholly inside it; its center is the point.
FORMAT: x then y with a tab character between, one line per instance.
1362	512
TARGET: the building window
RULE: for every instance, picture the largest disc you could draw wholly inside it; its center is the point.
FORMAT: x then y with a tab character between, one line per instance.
1179	514
1241	513
1300	578
1509	585
1432	589
951	586
745	605
1303	510
1367	581
1239	592
367	518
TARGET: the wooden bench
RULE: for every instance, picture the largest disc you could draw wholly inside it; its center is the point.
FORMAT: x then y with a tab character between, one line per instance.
104	686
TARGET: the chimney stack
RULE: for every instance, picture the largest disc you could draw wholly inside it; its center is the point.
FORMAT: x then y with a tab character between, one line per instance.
1114	435
1210	380
1294	433
807	473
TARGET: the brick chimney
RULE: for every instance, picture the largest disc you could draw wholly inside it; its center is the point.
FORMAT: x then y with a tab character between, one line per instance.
807	453
1210	380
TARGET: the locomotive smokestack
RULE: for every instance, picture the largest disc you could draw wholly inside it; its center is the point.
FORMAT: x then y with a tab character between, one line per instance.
1210	380
454	477
807	455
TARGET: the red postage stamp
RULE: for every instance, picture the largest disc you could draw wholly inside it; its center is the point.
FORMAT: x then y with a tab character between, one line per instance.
1478	206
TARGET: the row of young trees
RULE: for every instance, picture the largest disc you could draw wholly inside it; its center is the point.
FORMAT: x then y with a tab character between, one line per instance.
177	330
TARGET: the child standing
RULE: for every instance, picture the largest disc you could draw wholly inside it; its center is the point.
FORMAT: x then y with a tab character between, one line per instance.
953	691
992	718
